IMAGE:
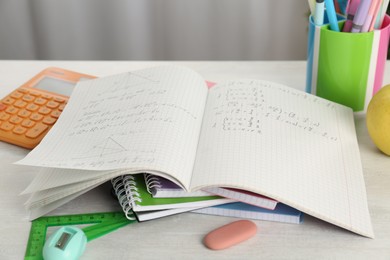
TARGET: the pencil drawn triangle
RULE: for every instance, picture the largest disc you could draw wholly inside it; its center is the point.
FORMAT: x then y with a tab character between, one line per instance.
106	147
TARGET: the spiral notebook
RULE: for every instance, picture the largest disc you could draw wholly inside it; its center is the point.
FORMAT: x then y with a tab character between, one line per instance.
133	196
244	196
282	212
160	187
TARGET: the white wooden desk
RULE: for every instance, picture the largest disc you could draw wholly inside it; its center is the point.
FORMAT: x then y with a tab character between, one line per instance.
180	236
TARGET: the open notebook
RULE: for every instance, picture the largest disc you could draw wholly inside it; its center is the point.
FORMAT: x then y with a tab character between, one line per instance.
254	135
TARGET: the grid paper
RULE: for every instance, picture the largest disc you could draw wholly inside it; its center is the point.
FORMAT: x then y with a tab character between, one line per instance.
285	144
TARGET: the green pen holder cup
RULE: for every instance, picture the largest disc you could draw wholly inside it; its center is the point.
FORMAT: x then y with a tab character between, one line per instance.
346	68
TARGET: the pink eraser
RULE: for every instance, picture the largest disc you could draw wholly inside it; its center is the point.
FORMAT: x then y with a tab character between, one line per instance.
230	234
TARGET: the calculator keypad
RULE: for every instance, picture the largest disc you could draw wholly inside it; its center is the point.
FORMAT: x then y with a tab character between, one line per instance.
26	116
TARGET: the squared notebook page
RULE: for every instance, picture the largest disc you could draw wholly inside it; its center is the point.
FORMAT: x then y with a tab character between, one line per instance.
285	144
147	120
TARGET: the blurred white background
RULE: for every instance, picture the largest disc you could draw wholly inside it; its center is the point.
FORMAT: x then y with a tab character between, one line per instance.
153	29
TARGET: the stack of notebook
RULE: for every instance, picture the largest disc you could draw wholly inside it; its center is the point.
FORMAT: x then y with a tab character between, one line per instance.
150	196
254	135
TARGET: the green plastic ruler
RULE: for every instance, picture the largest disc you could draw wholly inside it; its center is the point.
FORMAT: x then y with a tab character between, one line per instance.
104	223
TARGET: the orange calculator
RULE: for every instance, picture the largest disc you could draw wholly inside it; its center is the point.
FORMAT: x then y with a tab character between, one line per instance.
28	113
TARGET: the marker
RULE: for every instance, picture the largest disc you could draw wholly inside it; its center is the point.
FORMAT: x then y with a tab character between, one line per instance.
351	11
370	16
330	11
319	12
360	16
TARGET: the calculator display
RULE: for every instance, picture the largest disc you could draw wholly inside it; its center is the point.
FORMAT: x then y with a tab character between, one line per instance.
58	86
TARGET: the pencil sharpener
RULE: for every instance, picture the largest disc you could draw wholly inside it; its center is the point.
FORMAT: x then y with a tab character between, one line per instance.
66	243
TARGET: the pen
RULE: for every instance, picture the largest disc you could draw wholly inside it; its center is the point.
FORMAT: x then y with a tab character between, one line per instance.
360	16
351	11
319	12
381	15
343	6
376	14
337	6
370	15
330	11
312	6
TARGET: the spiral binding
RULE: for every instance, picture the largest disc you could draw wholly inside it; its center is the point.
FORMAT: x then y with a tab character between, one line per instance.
126	192
152	182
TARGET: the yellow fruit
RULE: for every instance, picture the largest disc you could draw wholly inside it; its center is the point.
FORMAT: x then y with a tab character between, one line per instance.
378	119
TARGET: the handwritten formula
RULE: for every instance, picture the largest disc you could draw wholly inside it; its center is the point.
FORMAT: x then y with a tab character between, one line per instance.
248	105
